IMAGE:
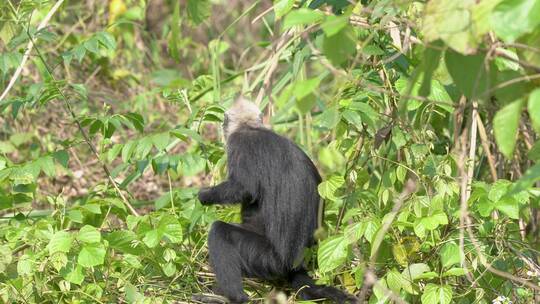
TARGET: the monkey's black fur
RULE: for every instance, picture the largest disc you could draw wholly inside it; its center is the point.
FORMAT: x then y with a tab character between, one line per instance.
276	183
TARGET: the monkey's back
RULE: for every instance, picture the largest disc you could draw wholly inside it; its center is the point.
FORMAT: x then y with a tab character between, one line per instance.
284	181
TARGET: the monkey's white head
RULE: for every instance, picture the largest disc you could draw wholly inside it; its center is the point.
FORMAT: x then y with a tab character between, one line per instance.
242	113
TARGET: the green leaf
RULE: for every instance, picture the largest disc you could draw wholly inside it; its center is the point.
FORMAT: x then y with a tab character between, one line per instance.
124	241
282	7
505	127
107	40
184	134
450	254
89	234
329	118
62	157
327	189
513	18
91	45
60	242
91	255
469	73
455	272
132	294
435	294
428	275
451	21
341	46
198	10
508	206
5	257
332	253
434	221
334	24
170	227
128	150
414	271
306	87
395	281
46	165
372	227
92	208
152	238
161	140
25	265
302	16
76	275
534	109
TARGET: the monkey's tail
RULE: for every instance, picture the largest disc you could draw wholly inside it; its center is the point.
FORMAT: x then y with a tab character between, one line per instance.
308	290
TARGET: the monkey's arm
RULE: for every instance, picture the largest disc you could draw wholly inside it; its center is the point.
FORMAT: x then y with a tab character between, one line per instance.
228	192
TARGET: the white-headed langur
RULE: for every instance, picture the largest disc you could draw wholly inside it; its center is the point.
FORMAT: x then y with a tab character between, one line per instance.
276	183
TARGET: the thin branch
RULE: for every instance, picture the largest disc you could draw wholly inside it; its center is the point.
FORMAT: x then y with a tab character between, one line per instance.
29	47
85	135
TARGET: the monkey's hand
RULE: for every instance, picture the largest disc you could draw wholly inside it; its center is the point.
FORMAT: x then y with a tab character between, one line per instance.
205	196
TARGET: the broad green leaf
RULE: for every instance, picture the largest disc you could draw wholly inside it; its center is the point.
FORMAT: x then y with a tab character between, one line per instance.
60	242
327	189
306	87
513	18
124	241
144	146
92	208
198	10
302	16
354	232
451	21
152	238
505	127
62	157
435	294
91	255
5	257
508	206
334	24
332	253
428	275
341	46
433	221
46	165
170	227
92	45
455	272
395	281
414	271
89	234
161	140
75	276
128	150
469	73
282	7
107	40
184	134
450	254
25	265
372	227
329	118
534	109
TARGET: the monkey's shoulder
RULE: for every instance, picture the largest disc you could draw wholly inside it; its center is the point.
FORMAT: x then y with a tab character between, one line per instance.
263	138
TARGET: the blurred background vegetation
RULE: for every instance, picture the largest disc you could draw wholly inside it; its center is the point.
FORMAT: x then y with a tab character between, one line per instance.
422	116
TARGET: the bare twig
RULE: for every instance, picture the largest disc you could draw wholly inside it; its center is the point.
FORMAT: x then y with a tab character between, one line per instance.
485	144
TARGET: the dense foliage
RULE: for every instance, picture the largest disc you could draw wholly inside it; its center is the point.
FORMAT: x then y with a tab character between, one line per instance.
422	116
